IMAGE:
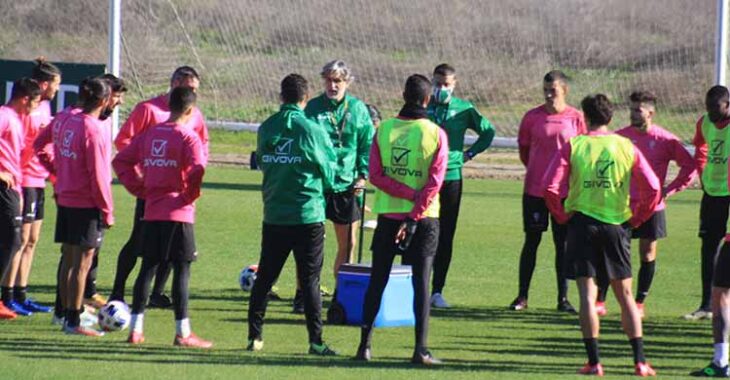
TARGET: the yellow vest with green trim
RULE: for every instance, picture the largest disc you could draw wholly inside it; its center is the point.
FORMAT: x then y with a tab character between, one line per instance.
600	177
715	175
407	149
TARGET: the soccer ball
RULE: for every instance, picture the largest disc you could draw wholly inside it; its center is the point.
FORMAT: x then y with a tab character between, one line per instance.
114	316
247	277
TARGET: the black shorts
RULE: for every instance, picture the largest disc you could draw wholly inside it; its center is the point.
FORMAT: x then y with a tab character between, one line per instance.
599	250
342	208
423	244
169	241
653	229
721	274
713	216
535	214
34	204
10	220
79	226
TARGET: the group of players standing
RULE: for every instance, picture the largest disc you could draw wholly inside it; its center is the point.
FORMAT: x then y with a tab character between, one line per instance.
599	188
316	157
162	153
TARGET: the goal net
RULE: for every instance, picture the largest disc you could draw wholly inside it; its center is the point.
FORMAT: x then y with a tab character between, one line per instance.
501	49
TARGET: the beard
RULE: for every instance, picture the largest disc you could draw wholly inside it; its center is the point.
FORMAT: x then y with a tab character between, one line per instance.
106	113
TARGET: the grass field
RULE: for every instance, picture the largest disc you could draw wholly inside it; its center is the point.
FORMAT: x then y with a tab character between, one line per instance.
477	338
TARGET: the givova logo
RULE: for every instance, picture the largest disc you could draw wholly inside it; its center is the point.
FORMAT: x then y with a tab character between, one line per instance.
158	152
717	153
282	154
399	156
603	167
66	151
603	178
158	148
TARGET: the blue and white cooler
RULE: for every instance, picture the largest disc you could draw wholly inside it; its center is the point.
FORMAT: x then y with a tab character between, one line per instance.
396	308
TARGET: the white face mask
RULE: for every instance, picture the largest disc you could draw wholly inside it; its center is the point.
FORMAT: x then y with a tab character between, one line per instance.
442	95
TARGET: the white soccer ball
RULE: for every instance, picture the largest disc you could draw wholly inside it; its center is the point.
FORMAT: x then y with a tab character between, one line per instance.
114	316
248	277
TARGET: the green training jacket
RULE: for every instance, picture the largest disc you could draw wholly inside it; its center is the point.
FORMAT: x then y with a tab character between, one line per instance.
455	118
350	130
296	157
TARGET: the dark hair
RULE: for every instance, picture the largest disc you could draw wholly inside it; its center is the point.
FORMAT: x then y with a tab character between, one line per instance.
643	97
25	87
44	71
374	112
717	93
181	99
597	109
444	69
555	76
95	90
115	83
294	88
184	72
417	90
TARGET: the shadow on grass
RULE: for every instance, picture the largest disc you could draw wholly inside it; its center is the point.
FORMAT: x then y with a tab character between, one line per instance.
231	186
98	349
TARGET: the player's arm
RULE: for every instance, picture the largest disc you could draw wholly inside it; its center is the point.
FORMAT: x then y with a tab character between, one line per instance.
645	190
382	181
99	177
485	131
364	140
135	124
556	183
43	148
524	140
318	148
436	175
195	168
125	165
202	131
687	172
700	148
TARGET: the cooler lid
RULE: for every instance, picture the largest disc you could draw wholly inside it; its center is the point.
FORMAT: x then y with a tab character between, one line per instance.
366	268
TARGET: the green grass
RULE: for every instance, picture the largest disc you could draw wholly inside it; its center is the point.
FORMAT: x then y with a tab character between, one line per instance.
478	338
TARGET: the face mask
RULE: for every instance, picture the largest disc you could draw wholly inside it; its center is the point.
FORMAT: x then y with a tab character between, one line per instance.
442	95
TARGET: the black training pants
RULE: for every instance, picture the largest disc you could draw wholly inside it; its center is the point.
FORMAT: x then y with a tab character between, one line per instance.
419	256
450	199
713	226
307	242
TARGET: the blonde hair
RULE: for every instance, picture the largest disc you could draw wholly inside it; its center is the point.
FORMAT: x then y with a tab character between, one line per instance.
337	69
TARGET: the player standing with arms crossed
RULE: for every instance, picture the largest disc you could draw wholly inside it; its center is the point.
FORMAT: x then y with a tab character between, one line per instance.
544	130
610	187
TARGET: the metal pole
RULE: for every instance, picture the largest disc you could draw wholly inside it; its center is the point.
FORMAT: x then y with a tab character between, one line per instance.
115	45
721	42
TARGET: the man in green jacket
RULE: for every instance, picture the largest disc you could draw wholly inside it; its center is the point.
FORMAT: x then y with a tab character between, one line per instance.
454	116
296	158
346	120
